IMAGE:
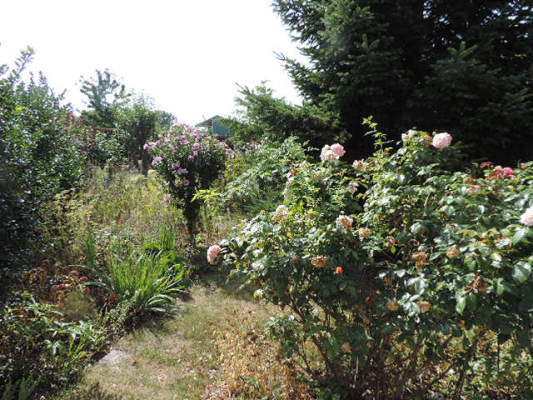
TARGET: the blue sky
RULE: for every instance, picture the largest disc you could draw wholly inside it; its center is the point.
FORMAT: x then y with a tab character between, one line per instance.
187	54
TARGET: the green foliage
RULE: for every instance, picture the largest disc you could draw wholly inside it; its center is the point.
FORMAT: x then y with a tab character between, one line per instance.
137	122
263	116
255	178
25	387
148	280
29	328
460	66
39	157
104	94
187	161
400	266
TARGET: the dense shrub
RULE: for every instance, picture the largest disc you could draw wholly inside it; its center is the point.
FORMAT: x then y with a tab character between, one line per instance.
39	157
187	161
255	178
404	271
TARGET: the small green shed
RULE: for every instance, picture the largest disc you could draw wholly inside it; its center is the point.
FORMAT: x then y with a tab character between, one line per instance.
215	127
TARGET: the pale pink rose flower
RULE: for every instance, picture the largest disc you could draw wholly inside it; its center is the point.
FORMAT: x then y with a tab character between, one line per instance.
352	187
327	154
212	253
442	140
344	221
282	209
409	135
166	199
338	149
527	217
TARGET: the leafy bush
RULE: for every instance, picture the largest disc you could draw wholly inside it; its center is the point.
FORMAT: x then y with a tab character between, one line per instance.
405	271
187	161
255	178
39	158
35	342
148	280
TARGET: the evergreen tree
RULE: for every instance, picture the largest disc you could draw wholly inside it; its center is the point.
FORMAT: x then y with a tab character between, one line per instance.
457	65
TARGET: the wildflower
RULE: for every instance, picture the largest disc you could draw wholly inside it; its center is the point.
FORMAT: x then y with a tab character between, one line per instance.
527	217
339	270
393	305
452	252
360	165
425	306
345	348
344	221
338	149
364	232
212	253
166	199
319	262
442	140
352	187
157	160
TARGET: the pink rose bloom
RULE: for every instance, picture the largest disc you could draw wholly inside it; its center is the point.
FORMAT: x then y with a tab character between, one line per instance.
157	160
499	172
442	140
166	199
327	154
186	182
212	253
509	172
196	145
338	149
527	217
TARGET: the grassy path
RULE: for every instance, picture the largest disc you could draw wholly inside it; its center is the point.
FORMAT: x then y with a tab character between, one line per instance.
173	359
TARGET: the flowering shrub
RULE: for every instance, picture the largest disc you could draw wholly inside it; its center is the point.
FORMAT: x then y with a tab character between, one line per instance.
187	161
410	280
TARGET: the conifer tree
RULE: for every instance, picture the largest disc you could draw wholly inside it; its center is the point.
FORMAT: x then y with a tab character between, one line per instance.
457	65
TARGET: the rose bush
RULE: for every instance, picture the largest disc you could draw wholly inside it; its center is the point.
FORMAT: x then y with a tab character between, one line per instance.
404	271
186	161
